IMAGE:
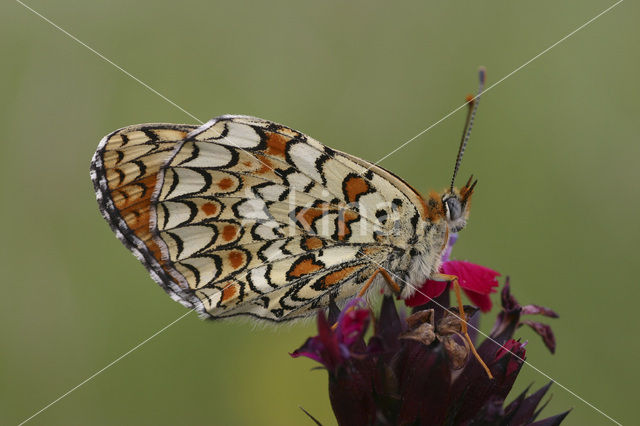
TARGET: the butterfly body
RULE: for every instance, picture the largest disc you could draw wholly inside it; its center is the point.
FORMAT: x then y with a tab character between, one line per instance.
242	216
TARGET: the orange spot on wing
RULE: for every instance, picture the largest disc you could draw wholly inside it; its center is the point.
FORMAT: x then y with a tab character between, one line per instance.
287	131
236	258
139	191
229	291
337	276
306	217
353	187
276	144
209	208
312	243
133	203
344	219
225	183
371	250
304	267
156	252
350	216
137	218
229	232
267	165
138	222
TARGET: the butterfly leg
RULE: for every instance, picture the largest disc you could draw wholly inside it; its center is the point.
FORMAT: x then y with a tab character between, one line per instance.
392	284
463	324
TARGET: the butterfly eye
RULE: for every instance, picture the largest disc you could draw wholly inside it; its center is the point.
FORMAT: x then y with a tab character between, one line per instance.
454	209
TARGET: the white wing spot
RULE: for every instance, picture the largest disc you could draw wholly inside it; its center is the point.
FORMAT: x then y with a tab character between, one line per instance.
240	136
298	181
189	182
193	238
258	278
253	209
304	157
210	155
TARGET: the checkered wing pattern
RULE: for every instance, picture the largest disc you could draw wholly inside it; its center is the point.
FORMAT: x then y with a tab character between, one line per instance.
242	216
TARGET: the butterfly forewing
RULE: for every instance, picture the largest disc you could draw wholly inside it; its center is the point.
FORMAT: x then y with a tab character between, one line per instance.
245	216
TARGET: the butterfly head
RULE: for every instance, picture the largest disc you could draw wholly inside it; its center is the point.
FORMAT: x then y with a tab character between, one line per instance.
456	205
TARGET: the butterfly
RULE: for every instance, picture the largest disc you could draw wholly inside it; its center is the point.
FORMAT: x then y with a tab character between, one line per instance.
243	216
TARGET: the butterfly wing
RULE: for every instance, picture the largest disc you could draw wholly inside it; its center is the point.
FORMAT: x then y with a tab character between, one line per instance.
124	171
248	217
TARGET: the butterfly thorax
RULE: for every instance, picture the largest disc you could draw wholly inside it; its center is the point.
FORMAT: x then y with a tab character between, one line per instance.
420	257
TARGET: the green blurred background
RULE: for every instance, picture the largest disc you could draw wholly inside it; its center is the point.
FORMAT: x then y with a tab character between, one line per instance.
555	149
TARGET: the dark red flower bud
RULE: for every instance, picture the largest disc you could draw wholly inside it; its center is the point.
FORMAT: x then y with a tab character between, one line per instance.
417	370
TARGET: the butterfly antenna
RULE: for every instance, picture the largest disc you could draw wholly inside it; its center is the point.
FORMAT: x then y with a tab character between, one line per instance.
473	103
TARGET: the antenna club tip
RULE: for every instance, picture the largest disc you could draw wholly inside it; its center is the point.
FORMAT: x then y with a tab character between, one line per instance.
482	74
469	97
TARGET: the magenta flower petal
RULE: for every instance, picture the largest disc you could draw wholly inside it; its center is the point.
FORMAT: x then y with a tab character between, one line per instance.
352	325
476	278
330	347
429	290
310	349
482	301
477	281
323	348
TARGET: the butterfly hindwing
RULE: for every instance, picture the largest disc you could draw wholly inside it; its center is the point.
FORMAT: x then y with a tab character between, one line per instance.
124	171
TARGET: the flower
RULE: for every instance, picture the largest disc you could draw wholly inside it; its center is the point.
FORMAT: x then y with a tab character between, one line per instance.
332	348
475	280
509	318
417	370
